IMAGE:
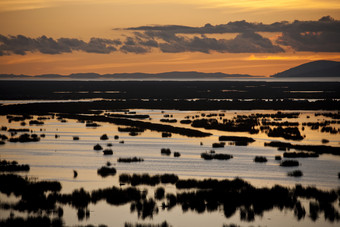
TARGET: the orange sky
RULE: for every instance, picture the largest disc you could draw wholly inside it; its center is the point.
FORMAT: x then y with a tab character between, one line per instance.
83	19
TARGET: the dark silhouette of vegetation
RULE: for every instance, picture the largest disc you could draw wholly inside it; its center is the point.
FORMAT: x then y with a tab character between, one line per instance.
146	179
163	224
289	163
239	140
75	174
209	195
185	121
177	154
91	124
240	124
295	173
105	171
210	156
75	137
13	166
218	145
35	122
318	149
144	208
168	120
128	160
159	193
134	116
278	157
300	155
165	151
166	134
260	159
25	138
104	137
97	147
32	221
130	129
107	152
324	141
289	133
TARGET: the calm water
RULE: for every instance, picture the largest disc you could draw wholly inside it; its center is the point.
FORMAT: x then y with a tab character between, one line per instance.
56	158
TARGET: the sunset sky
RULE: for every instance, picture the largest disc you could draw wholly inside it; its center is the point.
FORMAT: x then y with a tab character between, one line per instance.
257	37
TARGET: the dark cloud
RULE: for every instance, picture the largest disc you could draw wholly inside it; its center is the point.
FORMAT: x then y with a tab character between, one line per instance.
21	45
319	36
326	23
243	43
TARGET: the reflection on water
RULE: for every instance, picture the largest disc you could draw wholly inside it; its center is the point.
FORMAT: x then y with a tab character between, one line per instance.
55	158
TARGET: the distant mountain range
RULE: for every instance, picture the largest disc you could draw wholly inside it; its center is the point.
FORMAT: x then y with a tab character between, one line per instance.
313	69
166	75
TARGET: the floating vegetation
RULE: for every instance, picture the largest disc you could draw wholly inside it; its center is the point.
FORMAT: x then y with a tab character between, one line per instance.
104	137
130	129
141	125
75	137
260	159
318	149
24	138
128	160
13	166
211	156
289	163
278	157
289	133
295	173
165	151
35	122
146	179
163	224
159	193
91	124
108	152
324	141
300	155
166	134
218	145
236	139
134	116
105	171
185	122
168	120
177	154
97	147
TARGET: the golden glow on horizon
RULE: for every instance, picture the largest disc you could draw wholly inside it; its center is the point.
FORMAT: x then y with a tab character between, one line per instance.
78	62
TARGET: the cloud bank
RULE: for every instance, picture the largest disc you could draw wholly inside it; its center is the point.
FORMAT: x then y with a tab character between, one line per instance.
318	36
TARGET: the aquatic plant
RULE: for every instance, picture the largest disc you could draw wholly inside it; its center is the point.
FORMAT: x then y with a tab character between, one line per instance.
13	166
165	151
177	154
104	137
289	163
128	160
97	147
295	173
105	171
107	152
260	159
300	155
211	156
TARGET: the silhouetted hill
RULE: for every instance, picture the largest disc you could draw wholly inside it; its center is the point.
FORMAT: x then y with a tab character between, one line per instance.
313	69
165	75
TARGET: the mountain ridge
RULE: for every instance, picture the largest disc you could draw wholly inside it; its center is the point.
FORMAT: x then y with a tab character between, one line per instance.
320	68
